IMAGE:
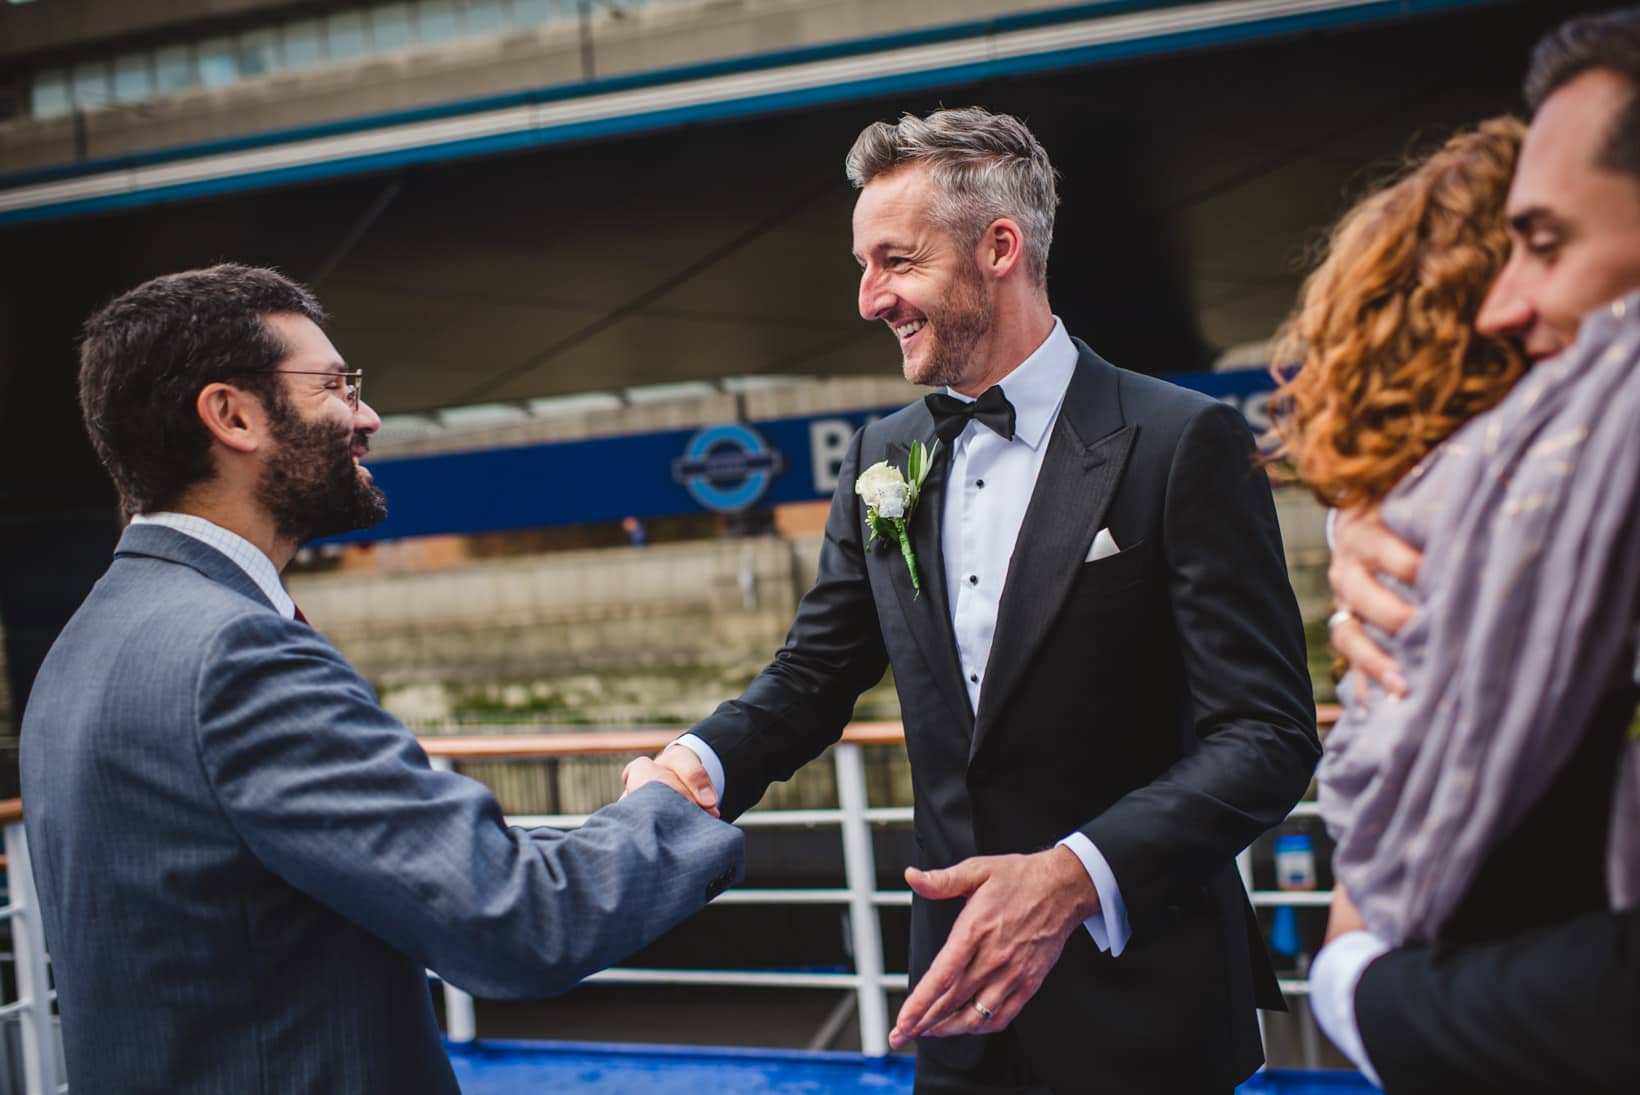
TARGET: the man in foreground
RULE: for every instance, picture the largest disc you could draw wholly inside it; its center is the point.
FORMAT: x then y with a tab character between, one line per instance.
1554	1007
1098	655
244	863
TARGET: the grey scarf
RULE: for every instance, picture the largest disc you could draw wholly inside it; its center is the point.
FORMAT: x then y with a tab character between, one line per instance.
1527	600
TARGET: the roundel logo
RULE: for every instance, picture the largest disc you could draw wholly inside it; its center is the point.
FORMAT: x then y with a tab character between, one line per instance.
727	468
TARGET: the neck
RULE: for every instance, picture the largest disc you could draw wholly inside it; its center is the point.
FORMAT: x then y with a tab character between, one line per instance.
242	518
1018	327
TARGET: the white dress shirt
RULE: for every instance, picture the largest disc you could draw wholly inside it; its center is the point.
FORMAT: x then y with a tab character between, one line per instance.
987	490
1333	978
257	566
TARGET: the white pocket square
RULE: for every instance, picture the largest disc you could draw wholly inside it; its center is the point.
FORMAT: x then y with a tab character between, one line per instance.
1104	545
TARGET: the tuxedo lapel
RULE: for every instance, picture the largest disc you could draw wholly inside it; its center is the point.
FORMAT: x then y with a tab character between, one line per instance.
929	613
1087	451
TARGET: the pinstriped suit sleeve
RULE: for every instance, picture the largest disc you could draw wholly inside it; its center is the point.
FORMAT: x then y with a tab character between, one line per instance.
334	795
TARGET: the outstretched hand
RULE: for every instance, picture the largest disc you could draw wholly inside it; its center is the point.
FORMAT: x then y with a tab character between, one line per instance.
678	768
1363	550
1020	911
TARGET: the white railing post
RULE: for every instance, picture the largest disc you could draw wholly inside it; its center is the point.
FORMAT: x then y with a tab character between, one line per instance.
28	941
460	1023
859	866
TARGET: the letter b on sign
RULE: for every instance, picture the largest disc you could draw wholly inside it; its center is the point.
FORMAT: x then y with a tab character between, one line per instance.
828	444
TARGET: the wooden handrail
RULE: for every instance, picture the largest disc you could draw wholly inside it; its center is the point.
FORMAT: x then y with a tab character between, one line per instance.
608	742
635	742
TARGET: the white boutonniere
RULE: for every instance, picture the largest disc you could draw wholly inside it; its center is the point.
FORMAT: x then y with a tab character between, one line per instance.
891	499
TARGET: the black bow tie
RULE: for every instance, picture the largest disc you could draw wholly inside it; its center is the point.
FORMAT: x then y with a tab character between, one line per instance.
951	414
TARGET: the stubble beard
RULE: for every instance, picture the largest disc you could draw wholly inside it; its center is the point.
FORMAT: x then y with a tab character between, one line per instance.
957	323
312	487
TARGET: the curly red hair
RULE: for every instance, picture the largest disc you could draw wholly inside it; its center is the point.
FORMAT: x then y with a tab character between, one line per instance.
1389	361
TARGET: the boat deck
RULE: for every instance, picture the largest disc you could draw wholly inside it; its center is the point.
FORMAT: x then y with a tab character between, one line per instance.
595	1068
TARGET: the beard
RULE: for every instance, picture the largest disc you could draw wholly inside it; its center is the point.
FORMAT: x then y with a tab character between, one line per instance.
957	323
311	485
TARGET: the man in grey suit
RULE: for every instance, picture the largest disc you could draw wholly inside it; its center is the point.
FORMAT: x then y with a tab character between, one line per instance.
244	863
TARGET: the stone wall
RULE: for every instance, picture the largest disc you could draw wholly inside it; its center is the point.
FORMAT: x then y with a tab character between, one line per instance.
722	606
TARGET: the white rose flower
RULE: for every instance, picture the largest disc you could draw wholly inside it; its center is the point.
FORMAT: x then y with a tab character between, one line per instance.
884	490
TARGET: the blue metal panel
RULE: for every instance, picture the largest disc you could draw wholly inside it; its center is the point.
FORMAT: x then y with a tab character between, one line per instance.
885	84
581	1068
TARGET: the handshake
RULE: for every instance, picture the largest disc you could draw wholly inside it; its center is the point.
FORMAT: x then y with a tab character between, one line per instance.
678	768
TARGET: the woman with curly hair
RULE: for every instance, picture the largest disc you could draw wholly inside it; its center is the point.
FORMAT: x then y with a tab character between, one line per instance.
1389	363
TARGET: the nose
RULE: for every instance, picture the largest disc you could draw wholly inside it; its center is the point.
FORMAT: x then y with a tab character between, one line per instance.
875	299
365	419
1507	309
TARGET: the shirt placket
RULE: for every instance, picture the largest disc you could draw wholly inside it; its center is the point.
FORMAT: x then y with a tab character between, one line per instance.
968	603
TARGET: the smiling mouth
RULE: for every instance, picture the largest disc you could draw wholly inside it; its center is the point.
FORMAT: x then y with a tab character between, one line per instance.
904	331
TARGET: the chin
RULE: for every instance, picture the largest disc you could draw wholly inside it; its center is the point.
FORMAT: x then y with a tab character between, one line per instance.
917	372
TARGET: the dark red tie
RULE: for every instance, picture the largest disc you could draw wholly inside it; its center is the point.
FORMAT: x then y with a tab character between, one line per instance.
301	617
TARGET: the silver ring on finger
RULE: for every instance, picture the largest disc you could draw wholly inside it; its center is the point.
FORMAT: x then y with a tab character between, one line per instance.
984	1011
1343	615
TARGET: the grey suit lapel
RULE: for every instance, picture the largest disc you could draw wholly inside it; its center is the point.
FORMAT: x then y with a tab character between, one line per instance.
929	614
159	542
1087	451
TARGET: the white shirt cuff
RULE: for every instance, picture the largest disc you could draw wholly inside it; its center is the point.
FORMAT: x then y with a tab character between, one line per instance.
708	759
1109	926
1333	978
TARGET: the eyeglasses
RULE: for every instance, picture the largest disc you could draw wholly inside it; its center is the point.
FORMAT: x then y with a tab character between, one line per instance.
352	383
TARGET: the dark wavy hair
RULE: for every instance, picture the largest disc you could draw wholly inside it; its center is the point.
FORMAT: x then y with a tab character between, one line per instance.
1609	41
1388	361
145	356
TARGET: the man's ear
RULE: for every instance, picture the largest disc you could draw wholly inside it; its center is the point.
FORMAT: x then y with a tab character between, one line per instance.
233	417
1001	248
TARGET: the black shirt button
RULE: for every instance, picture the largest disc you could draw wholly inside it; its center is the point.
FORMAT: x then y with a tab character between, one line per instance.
974	677
973	579
979	483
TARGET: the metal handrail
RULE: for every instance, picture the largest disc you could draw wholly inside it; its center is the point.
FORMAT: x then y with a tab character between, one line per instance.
34	996
854	816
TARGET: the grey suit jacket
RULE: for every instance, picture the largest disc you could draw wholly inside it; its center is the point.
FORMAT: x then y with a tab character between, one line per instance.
244	863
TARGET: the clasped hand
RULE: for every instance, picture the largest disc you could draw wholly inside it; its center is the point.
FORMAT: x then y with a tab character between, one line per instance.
678	768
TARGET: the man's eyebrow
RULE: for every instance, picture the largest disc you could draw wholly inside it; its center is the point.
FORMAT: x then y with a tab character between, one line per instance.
884	245
1533	217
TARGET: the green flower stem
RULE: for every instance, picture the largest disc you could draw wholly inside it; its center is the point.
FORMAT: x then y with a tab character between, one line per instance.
905	550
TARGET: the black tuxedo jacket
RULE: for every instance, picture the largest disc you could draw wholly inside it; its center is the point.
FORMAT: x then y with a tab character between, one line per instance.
1158	700
1534	985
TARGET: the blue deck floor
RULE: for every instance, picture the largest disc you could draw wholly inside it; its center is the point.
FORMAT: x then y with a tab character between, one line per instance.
586	1068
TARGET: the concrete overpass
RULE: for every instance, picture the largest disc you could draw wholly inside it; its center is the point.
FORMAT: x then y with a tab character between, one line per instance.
658	196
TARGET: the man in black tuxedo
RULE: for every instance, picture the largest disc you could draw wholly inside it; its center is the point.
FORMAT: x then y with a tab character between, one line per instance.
1102	675
1535	983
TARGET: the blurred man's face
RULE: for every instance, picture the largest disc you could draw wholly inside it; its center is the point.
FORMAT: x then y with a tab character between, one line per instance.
313	482
1574	224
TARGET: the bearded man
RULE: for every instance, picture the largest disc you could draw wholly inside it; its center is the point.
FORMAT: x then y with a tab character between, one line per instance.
1100	661
245	865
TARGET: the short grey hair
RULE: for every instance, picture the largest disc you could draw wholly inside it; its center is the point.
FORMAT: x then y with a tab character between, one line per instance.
984	166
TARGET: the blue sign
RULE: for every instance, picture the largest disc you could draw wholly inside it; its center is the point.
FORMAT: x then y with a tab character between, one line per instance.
727	468
724	468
